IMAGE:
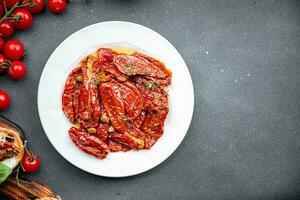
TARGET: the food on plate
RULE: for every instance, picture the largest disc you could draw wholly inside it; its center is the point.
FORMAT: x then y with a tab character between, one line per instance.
117	101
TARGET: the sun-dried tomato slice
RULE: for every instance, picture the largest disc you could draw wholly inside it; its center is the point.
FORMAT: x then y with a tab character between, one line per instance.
128	140
155	97
70	93
132	65
162	82
89	143
132	98
105	56
153	126
113	103
89	105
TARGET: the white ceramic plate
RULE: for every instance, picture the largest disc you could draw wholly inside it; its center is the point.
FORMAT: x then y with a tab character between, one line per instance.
114	34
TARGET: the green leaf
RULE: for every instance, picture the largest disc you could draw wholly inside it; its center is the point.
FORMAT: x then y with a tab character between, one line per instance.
5	171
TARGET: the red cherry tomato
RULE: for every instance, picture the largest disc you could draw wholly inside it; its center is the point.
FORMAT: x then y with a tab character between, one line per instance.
14	49
57	6
3	63
1	10
1	43
17	70
10	3
30	162
6	29
4	99
25	19
36	8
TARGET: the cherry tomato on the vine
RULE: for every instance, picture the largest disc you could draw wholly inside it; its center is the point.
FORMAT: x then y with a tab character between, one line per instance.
57	6
24	19
14	49
17	70
36	8
1	43
30	162
1	9
6	29
3	63
10	3
4	99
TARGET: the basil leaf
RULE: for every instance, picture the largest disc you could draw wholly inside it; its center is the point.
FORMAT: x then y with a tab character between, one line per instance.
5	171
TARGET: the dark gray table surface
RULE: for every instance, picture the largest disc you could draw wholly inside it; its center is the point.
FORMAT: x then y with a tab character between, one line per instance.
244	139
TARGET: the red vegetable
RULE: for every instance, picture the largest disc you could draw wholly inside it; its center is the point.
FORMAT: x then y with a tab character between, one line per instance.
1	9
30	162
3	63
4	100
6	29
57	6
17	70
1	43
10	3
24	19
14	49
36	8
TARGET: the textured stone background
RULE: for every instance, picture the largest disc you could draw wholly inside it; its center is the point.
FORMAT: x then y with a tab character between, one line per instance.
244	140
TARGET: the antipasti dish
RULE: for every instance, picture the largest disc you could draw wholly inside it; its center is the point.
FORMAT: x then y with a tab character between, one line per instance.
117	101
119	91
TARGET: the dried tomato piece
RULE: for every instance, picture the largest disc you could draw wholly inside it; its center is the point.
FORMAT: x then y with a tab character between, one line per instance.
138	122
115	72
105	56
153	126
69	97
128	140
89	105
162	82
89	143
102	131
113	103
155	97
115	146
132	99
132	65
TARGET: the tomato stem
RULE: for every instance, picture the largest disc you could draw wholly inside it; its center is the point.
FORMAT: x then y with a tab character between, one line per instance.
8	13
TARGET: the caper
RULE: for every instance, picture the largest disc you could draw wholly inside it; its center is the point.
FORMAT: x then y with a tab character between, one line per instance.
79	78
104	119
92	130
111	129
101	76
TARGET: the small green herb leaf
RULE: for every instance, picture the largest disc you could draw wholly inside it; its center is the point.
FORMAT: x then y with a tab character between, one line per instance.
5	171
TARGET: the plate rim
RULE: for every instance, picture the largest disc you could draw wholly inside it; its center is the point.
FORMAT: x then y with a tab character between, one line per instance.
161	37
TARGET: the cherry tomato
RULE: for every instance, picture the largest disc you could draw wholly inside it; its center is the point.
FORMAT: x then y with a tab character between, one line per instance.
30	162
57	6
38	6
1	43
25	20
1	10
17	70
3	61
4	99
6	29
14	49
10	3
